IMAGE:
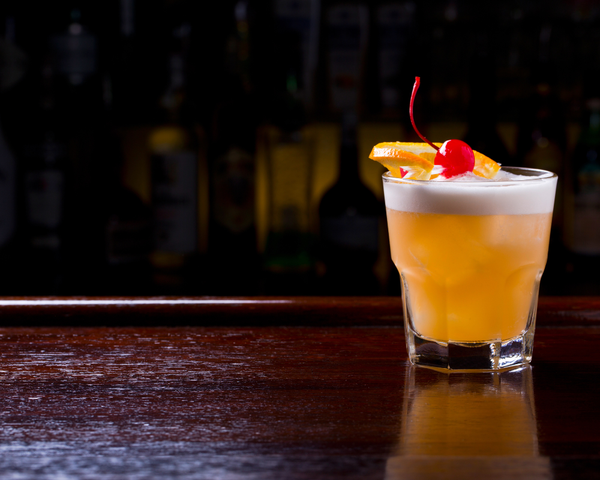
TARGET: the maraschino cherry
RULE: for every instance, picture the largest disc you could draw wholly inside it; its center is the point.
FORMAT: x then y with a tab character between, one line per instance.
454	155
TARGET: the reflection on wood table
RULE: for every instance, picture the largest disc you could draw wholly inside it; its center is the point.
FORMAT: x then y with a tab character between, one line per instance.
282	400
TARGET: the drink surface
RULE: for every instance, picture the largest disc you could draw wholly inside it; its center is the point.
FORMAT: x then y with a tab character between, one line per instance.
471	278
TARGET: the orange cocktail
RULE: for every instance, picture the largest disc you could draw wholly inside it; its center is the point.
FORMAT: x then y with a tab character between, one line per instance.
470	241
461	269
470	255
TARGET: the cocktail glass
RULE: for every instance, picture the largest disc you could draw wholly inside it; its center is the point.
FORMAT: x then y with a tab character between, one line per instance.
470	256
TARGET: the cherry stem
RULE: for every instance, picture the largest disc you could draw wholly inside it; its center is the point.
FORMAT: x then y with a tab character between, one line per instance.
412	119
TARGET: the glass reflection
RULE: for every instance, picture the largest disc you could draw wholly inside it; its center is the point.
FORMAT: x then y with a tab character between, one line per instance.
474	423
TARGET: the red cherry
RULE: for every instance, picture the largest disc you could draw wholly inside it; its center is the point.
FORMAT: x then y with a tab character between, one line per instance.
456	157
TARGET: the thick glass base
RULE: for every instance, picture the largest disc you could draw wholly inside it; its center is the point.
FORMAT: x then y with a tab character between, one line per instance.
480	356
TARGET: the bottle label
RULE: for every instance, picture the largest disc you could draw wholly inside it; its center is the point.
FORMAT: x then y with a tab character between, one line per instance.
347	42
174	200
353	232
45	198
586	215
234	190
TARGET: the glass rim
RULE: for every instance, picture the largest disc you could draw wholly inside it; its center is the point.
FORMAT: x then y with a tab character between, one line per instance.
533	174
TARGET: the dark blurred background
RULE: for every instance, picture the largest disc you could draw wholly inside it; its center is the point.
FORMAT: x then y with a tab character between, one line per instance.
221	148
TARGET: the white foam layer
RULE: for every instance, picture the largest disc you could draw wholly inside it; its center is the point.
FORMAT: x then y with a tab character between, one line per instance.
504	195
501	176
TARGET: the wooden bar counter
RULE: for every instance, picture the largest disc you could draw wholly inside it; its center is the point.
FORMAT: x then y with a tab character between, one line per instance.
283	388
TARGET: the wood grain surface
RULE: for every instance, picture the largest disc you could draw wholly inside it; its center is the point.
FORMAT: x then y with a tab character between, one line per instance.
297	402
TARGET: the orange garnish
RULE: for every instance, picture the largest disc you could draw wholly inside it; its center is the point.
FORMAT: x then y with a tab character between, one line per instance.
407	156
484	166
418	160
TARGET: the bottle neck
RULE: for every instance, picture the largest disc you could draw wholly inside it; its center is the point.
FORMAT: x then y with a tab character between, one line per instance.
50	148
173	98
349	172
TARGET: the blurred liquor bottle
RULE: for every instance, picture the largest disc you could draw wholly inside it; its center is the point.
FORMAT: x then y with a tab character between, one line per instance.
119	225
128	69
122	226
542	137
349	225
136	37
297	49
75	57
120	221
289	252
582	206
74	52
8	214
232	244
289	263
346	39
14	62
395	23
482	134
541	140
349	213
17	80
542	143
45	186
175	156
